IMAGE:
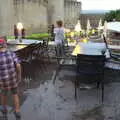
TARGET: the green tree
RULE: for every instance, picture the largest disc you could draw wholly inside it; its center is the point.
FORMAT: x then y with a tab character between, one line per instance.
112	15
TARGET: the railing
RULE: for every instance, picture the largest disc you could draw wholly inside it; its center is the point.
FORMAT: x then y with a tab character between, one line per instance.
114	46
113	42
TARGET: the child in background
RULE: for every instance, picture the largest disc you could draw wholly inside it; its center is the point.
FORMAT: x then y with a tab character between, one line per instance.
10	76
59	39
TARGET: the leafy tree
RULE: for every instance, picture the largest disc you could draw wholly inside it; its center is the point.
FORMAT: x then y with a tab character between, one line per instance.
112	15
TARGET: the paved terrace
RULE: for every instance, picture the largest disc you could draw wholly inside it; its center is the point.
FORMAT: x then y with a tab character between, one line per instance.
42	100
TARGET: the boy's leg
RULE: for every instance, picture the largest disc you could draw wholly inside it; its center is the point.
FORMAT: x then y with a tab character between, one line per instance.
58	50
16	99
4	101
62	50
16	102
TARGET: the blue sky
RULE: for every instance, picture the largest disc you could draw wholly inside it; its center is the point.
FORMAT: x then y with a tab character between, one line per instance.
100	4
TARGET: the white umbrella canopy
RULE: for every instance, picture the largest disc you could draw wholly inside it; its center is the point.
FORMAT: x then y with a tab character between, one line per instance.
88	25
100	24
78	26
105	29
113	26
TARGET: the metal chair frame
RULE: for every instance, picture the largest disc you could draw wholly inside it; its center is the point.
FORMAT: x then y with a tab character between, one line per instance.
91	66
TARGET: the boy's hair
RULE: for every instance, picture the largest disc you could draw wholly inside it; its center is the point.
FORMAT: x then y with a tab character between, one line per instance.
59	23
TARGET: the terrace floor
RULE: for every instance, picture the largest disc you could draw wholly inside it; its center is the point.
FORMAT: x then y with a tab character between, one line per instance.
42	99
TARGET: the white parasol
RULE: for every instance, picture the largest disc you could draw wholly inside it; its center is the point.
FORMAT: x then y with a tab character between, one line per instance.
100	24
88	25
105	29
78	26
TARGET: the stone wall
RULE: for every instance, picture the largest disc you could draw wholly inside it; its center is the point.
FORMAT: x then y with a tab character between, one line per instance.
6	17
37	15
56	10
66	10
32	13
72	12
94	19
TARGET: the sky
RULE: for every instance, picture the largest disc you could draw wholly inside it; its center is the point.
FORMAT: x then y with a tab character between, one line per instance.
100	4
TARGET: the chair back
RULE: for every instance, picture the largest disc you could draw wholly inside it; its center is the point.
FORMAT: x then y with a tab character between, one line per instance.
90	64
106	44
39	47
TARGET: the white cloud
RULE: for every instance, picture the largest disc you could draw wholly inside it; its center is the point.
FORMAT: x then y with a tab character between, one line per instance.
100	4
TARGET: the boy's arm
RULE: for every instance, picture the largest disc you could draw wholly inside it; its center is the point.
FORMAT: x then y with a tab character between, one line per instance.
17	65
18	68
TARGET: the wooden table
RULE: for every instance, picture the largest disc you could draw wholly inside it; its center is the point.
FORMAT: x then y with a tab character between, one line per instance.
90	49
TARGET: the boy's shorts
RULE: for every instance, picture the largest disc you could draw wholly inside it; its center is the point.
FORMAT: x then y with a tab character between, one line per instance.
13	90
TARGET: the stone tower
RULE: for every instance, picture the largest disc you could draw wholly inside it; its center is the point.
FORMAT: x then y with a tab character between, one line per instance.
66	10
55	10
72	10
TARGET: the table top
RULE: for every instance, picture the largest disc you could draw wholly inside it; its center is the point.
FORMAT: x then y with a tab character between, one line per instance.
23	42
15	48
90	49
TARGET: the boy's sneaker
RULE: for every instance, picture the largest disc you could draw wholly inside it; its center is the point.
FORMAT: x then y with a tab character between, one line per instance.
17	115
4	110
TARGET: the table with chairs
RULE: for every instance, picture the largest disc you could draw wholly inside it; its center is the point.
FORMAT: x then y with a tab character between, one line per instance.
90	64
